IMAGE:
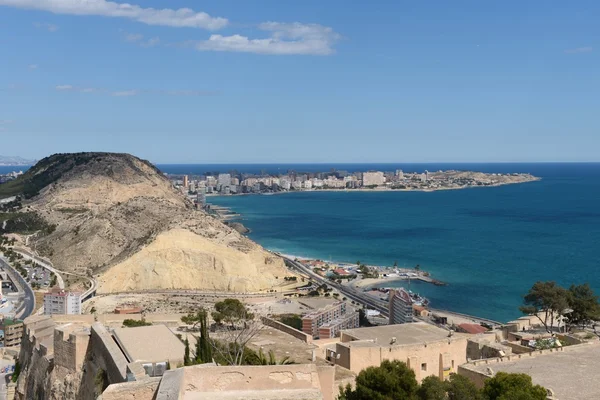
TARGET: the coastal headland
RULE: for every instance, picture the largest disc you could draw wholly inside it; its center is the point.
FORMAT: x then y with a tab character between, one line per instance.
234	183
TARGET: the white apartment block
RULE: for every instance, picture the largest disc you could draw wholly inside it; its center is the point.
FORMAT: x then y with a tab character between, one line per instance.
58	301
373	178
224	180
334	183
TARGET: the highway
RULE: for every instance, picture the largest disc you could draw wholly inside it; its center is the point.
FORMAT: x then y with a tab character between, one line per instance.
28	296
364	299
45	263
349	292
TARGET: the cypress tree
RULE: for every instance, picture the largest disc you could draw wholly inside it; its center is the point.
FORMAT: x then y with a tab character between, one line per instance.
186	355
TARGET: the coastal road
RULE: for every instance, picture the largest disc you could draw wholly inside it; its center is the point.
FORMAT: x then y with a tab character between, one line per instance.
349	292
370	302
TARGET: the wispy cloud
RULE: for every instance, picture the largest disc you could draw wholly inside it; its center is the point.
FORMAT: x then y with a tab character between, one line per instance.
125	93
46	26
278	38
182	17
33	67
579	50
139	39
3	123
285	39
133	37
132	92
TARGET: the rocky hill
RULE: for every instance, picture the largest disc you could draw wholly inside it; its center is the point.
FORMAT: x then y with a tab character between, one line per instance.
117	215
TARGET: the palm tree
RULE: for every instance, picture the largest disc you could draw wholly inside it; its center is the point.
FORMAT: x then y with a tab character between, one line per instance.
272	359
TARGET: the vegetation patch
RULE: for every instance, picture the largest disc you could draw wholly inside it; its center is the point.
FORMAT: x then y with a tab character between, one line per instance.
24	223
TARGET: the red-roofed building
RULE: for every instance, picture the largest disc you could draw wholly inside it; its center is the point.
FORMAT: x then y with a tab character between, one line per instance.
420	311
471	328
341	271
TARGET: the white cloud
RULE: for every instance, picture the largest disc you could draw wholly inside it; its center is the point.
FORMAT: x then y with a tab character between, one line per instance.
46	26
4	122
285	39
139	39
71	88
133	37
151	42
132	92
182	17
579	50
33	66
125	93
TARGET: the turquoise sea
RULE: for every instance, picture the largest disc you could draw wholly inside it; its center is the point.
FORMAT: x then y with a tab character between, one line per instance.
489	244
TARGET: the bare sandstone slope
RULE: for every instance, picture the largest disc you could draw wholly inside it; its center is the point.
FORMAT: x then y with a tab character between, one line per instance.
180	259
118	215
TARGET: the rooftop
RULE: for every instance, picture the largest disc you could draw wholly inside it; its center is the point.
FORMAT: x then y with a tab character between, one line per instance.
473	328
11	321
324	309
298	382
154	343
405	334
570	373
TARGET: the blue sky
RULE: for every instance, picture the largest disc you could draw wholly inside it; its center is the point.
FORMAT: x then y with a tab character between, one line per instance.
184	81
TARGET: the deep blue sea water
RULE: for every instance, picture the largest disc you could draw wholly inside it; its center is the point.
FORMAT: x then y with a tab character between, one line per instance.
489	244
8	169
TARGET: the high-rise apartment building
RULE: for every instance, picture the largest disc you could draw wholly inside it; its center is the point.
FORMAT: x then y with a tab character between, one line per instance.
401	310
224	180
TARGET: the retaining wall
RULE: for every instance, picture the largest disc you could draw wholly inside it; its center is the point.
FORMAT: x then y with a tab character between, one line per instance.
287	329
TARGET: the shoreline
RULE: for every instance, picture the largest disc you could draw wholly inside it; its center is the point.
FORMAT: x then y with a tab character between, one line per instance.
374	190
363	283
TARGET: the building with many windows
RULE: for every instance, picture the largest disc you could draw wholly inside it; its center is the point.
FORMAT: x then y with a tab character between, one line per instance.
401	307
375	178
332	329
332	319
57	301
13	331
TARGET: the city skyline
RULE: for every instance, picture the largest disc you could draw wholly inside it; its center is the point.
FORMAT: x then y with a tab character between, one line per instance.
229	82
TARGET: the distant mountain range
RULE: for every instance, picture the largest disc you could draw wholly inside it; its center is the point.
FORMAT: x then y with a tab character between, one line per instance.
16	161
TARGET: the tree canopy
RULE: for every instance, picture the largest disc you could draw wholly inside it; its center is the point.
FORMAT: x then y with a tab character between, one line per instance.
231	311
394	380
505	386
391	380
548	301
583	304
552	303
